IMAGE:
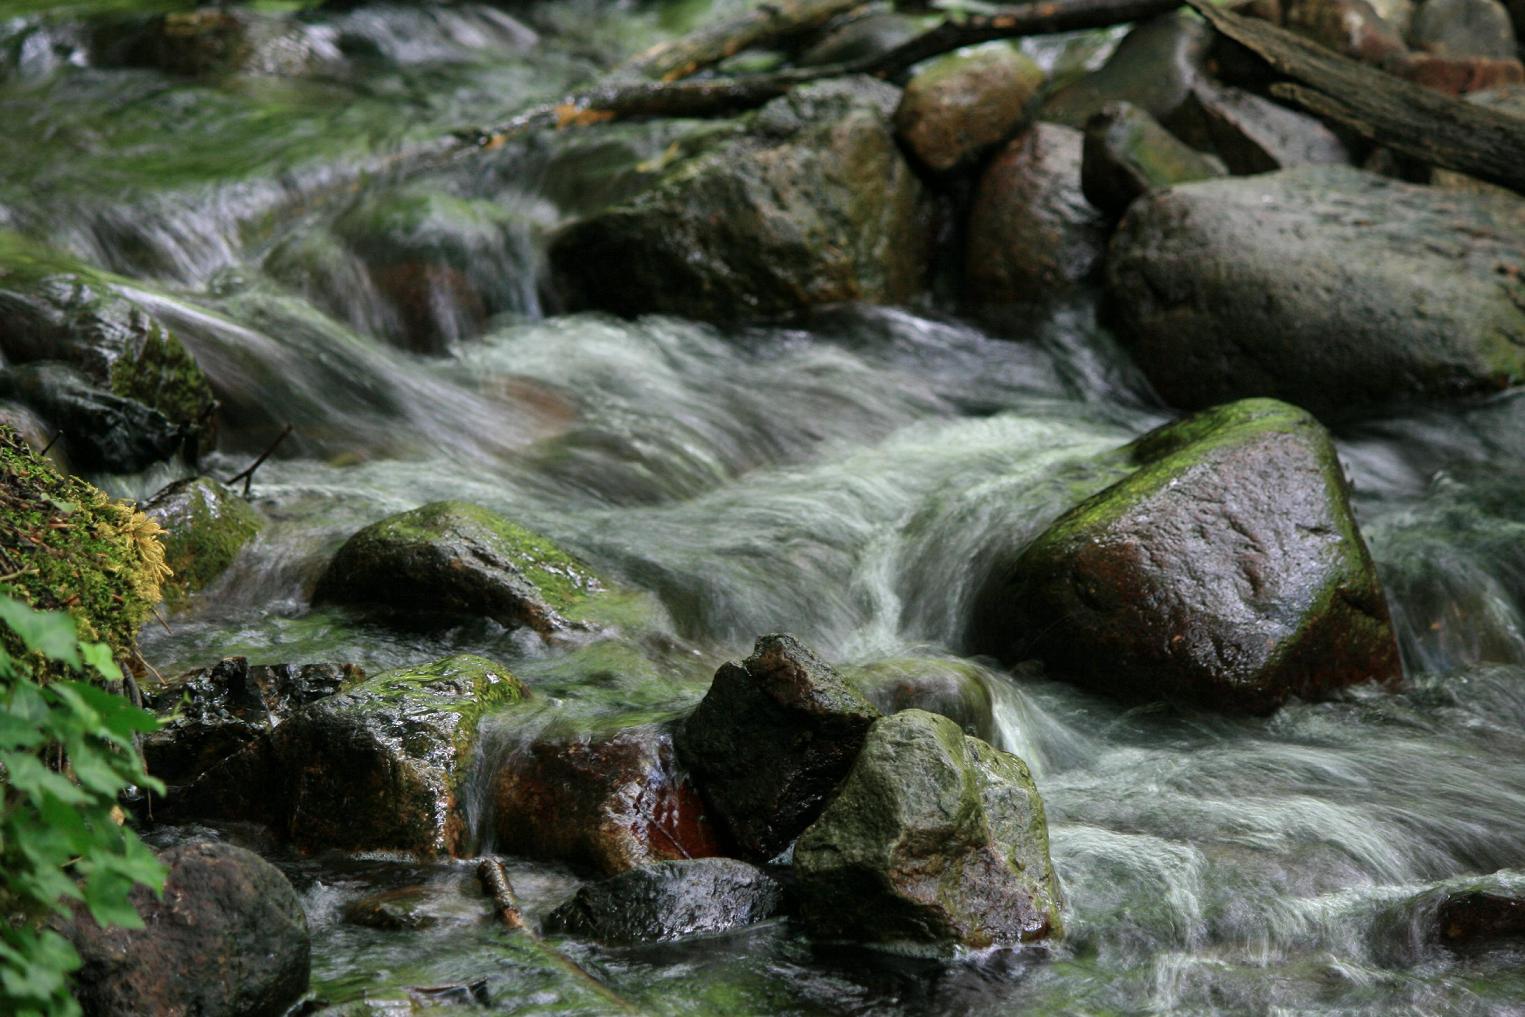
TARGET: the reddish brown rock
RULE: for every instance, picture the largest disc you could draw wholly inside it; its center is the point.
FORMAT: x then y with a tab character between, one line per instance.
1350	27
1031	230
963	104
1458	75
610	801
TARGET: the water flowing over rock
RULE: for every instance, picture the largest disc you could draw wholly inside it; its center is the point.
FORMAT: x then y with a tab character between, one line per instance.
961	105
205	526
98	367
1325	286
954	688
454	558
935	838
1127	153
610	800
811	203
1227	570
228	939
1032	234
670	900
771	740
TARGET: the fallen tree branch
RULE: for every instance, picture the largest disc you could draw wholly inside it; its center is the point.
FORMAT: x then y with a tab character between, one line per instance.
621	99
495	883
1435	128
762	25
247	475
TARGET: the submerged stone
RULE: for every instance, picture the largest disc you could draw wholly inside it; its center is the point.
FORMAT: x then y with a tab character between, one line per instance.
670	900
1127	153
228	939
1326	286
935	839
610	800
960	106
771	740
205	525
454	558
1227	570
809	202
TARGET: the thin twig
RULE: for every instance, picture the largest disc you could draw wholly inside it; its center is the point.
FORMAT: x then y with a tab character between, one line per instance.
247	476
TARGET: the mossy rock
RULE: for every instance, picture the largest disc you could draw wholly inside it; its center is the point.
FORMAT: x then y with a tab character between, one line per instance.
1127	153
455	558
935	840
380	766
67	545
205	526
1226	570
956	689
127	371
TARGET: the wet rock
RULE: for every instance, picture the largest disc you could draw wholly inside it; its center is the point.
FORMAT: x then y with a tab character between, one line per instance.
670	900
213	42
954	688
1464	28
1032	233
454	558
228	939
1397	13
935	838
379	766
422	268
1254	135
1326	286
101	368
1227	570
206	524
869	36
213	713
771	740
1458	75
1127	153
610	800
1471	921
1353	28
394	910
960	106
811	202
1517	15
1154	68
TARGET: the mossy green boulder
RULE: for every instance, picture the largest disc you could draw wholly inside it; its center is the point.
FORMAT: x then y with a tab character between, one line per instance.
771	740
1226	570
808	202
455	558
97	366
65	544
205	526
1327	286
935	841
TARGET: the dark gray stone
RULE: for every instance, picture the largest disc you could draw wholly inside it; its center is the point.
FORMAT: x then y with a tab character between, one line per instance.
669	900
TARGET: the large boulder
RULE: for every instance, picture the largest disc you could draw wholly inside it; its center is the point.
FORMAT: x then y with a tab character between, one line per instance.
1153	67
205	525
227	939
1464	28
455	558
670	900
960	106
1032	234
605	799
1127	153
99	367
936	839
771	740
810	202
1227	570
1326	286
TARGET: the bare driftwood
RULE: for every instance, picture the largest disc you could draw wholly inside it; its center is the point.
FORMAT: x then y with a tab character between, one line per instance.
1435	128
761	25
504	903
620	98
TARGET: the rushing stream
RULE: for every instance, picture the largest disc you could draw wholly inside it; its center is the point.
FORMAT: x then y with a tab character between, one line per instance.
841	477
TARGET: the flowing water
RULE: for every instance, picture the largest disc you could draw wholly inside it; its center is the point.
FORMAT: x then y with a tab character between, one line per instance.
844	477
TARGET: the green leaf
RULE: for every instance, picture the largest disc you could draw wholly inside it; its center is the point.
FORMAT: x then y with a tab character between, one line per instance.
98	656
51	633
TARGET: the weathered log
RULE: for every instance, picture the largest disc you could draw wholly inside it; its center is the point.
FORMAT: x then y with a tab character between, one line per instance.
505	904
620	98
1435	128
761	25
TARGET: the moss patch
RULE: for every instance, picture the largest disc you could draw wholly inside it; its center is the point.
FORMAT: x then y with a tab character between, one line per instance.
205	525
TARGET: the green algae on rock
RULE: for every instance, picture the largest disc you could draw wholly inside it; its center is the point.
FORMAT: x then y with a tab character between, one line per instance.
452	557
1226	570
205	526
65	544
809	202
1326	286
935	841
